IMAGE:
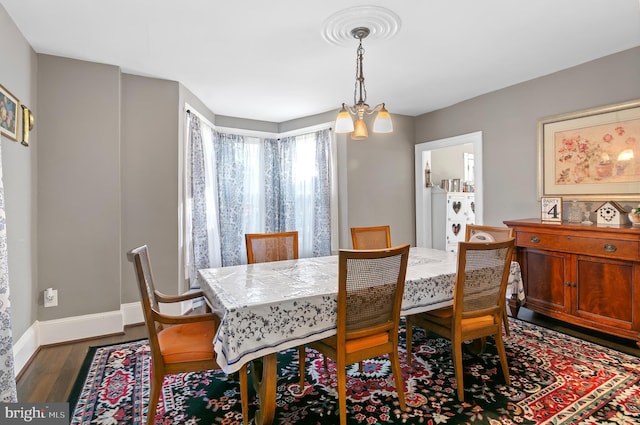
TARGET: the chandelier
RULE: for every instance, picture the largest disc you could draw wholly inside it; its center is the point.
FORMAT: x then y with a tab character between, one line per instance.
344	122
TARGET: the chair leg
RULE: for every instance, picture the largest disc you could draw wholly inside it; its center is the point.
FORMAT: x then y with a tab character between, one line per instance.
342	392
409	338
244	394
503	357
397	374
156	387
458	367
301	361
505	319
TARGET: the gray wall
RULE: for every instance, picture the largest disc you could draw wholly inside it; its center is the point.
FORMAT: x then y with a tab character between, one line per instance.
78	186
508	119
448	163
380	182
19	176
149	192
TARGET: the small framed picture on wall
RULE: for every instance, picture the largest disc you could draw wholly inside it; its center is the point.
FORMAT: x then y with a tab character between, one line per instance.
551	208
9	107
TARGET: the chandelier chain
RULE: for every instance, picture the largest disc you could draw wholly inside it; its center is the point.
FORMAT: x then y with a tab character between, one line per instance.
360	88
344	122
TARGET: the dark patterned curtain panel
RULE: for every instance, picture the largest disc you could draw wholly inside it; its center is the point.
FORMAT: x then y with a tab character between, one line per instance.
322	196
280	199
231	167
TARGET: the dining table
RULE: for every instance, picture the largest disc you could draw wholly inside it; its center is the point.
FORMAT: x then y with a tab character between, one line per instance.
269	307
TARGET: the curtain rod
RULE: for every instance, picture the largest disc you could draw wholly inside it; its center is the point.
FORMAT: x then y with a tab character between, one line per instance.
268	134
191	110
257	133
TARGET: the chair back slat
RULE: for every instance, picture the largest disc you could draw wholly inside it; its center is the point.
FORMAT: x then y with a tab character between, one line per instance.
480	233
481	280
371	284
266	247
375	237
483	274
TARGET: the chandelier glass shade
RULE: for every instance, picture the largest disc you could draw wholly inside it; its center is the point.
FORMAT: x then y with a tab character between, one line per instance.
344	121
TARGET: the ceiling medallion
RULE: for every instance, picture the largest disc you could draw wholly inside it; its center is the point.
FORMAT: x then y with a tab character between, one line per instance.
382	24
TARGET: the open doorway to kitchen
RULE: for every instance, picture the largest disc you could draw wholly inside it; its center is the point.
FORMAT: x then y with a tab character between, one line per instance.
470	160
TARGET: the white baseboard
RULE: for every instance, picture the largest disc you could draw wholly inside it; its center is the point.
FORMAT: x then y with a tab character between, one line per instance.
24	348
73	328
80	327
132	313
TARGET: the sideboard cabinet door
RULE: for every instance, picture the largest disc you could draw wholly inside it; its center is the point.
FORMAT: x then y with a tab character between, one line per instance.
604	290
545	275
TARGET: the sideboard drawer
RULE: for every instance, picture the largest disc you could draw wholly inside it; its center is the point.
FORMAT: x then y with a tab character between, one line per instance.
610	248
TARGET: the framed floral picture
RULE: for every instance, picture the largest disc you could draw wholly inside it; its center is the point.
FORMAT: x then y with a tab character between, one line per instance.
591	154
9	107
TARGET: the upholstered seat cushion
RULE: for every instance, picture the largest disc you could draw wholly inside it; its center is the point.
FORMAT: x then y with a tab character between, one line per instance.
359	343
443	316
187	342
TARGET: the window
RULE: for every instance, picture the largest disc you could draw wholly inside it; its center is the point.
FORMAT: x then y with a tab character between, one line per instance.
239	184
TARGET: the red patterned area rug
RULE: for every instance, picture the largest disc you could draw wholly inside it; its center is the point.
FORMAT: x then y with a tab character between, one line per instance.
555	379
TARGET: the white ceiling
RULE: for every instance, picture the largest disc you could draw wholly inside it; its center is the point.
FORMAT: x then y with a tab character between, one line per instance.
267	60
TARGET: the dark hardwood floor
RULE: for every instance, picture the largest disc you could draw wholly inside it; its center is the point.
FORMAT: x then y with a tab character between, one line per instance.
50	375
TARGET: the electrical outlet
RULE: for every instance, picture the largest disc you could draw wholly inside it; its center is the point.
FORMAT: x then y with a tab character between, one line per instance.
51	297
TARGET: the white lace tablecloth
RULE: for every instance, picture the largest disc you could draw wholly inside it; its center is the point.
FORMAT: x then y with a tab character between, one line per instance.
269	307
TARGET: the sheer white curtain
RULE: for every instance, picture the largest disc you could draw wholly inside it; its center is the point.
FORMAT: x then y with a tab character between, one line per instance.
211	185
8	393
202	230
304	175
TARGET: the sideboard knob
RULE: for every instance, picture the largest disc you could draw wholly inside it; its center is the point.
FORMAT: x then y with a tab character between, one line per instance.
610	247
535	239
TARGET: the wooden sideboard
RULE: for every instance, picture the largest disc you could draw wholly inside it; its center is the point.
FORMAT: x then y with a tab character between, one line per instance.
587	275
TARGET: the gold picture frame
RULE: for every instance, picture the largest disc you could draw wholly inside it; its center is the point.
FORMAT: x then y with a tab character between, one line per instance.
9	109
591	154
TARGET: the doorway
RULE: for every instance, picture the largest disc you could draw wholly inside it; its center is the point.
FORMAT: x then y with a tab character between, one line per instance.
423	156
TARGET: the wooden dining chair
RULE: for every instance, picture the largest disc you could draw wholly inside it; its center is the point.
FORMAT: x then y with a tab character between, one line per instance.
266	247
178	344
370	289
478	303
481	233
374	237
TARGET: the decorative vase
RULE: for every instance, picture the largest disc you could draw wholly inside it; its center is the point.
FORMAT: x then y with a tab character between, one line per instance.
574	213
634	218
604	169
